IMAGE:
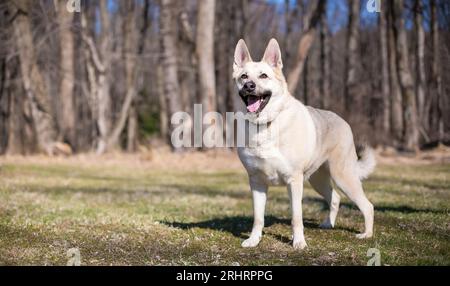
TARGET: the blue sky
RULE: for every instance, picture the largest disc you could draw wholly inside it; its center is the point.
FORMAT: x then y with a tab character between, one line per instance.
337	13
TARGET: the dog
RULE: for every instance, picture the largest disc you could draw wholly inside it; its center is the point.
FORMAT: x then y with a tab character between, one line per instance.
299	143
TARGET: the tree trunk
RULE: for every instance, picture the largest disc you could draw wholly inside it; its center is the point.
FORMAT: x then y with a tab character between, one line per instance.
396	96
13	102
233	101
168	22
66	37
410	138
437	98
33	81
162	101
227	34
290	16
244	8
131	73
420	62
132	129
307	39
385	91
103	86
132	48
15	119
90	53
187	56
352	60
20	130
305	75
221	45
205	53
324	62
4	82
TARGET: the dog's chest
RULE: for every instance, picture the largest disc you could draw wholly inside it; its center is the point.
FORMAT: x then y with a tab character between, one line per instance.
265	161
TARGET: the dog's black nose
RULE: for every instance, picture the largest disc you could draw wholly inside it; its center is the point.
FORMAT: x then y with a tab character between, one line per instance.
249	86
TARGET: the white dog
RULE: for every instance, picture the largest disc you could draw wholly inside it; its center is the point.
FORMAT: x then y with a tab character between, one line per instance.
297	143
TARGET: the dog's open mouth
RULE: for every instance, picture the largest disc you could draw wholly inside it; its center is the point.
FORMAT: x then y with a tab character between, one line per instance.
255	104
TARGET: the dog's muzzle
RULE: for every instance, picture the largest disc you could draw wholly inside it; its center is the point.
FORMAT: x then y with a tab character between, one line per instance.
255	103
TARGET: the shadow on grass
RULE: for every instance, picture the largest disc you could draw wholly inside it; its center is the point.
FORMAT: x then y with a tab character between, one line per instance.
240	226
209	191
236	225
380	208
408	210
435	185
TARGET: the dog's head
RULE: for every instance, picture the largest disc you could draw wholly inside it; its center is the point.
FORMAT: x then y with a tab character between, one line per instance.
260	84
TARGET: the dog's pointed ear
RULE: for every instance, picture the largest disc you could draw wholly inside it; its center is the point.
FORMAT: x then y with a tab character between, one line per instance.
241	55
272	55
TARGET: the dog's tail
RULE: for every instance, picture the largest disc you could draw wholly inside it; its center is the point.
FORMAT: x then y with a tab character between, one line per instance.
366	161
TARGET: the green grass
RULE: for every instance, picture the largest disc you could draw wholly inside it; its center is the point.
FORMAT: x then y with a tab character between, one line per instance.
125	215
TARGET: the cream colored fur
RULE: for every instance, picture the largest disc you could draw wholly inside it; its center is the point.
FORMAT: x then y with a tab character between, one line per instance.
299	143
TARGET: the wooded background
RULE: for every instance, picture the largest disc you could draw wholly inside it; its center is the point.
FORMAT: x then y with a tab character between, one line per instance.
110	76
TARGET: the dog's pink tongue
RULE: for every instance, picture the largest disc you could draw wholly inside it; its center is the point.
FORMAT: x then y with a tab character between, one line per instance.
253	103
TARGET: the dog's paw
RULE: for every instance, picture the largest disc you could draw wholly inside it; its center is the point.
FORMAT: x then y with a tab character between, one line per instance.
364	235
299	244
251	242
326	225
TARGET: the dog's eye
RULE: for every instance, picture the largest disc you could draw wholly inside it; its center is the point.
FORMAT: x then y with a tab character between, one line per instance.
244	76
263	76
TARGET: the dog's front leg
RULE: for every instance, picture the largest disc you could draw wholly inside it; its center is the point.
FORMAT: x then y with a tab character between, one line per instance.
295	189
259	193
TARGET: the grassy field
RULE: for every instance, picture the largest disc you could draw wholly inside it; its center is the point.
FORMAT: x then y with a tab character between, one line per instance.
185	211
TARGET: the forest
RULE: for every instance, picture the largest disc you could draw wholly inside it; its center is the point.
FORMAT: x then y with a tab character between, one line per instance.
101	75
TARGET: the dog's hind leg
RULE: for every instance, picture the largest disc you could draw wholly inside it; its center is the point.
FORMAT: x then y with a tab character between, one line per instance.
321	183
346	178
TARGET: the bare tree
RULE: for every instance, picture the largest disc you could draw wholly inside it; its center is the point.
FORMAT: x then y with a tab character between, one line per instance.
312	18
290	15
66	37
99	71
33	81
396	110
103	86
130	54
168	22
98	66
384	50
325	53
410	132
5	48
437	122
162	102
187	57
244	8
352	60
129	51
205	53
420	63
18	135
